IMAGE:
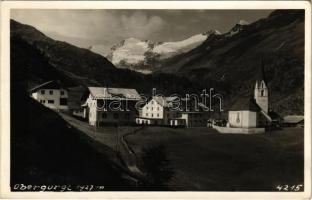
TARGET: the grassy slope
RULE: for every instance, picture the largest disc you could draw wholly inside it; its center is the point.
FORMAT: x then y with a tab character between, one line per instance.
45	150
209	161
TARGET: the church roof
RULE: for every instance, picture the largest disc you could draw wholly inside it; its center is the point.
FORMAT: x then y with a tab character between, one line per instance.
245	103
261	73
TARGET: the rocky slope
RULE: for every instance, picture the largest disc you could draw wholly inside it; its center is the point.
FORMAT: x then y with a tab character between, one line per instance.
234	58
145	56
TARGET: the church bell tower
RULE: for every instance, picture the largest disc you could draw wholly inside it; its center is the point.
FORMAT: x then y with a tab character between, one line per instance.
261	90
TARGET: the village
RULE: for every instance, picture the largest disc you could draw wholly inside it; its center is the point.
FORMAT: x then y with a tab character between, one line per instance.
106	106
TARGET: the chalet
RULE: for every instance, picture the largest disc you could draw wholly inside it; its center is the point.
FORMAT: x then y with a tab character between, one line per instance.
51	94
157	111
111	106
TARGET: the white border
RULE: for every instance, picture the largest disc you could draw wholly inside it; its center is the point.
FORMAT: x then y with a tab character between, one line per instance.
5	99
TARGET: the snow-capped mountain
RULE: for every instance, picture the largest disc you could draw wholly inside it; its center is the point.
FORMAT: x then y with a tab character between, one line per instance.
145	56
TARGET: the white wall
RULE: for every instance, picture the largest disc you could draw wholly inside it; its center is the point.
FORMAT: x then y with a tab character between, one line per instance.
261	96
152	110
97	116
243	119
55	96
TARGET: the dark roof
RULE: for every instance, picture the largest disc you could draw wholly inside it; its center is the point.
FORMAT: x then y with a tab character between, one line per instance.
245	103
48	85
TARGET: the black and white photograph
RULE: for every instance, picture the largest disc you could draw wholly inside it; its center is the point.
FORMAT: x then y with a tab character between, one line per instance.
163	100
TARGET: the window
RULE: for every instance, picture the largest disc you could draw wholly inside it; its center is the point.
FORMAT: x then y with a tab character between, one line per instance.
51	92
152	108
152	102
152	115
146	108
42	101
42	91
116	116
262	93
157	108
50	101
63	101
104	115
146	114
62	92
237	118
157	115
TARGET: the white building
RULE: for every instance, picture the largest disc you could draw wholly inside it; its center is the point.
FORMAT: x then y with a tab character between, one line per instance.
157	111
111	106
52	95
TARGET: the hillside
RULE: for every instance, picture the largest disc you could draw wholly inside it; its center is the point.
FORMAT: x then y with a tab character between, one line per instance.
42	59
46	151
234	58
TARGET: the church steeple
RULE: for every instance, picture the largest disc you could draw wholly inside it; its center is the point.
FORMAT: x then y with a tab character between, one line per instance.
261	90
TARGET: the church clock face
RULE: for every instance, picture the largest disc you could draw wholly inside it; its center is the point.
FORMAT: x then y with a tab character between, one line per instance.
237	118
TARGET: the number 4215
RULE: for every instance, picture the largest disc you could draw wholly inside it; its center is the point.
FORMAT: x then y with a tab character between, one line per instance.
293	188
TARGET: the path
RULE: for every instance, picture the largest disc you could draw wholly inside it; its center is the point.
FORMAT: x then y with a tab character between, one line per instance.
113	137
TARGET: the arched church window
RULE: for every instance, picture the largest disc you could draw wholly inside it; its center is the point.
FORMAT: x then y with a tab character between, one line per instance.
262	93
262	84
237	118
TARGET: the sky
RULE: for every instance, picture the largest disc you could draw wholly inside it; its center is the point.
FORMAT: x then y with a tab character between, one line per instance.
104	28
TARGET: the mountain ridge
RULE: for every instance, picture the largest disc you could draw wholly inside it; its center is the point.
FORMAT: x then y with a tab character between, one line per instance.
144	55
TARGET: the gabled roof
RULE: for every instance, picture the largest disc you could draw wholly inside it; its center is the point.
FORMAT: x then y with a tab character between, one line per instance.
114	93
164	101
48	85
245	103
293	119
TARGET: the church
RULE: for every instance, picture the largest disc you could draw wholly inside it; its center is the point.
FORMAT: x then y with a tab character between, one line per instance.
250	114
253	111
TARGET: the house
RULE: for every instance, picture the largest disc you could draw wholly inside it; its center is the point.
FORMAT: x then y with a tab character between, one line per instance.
111	106
293	121
158	111
194	115
51	94
250	114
